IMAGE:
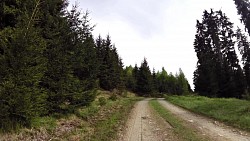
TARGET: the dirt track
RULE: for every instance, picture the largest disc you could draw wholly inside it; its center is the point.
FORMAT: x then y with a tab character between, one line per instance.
144	125
213	129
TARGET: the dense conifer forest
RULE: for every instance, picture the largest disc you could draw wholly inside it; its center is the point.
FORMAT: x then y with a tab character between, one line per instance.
219	72
51	62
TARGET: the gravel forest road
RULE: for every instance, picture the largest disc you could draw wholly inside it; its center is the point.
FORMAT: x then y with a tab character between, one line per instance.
145	125
215	130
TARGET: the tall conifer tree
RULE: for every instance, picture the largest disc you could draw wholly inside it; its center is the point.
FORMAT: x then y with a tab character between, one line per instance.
144	79
22	63
218	70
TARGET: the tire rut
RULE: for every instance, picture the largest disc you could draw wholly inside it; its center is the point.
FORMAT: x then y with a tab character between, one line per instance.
144	125
216	131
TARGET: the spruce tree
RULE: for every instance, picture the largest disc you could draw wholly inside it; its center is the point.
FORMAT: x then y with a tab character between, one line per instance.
244	49
22	64
182	83
135	74
231	59
218	67
111	66
172	84
83	58
205	77
58	80
129	78
243	8
154	81
144	79
162	81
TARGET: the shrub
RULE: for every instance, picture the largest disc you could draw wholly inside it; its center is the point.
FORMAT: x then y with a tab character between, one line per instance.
102	101
113	97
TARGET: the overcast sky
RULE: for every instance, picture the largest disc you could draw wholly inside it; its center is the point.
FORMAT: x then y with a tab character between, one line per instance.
163	31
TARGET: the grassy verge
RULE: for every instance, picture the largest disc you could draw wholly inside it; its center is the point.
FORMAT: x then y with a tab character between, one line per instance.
180	130
99	121
106	128
232	111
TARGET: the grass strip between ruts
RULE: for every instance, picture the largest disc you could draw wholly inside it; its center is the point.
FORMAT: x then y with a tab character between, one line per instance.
180	130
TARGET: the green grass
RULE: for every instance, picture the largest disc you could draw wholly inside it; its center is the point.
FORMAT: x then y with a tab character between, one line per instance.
48	122
98	121
103	122
87	112
232	111
106	129
179	128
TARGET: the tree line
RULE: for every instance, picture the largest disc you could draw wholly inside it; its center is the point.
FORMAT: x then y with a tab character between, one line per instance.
219	71
146	83
51	64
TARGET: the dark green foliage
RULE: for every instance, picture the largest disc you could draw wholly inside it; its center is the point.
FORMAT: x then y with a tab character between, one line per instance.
84	56
83	59
135	74
244	48
130	80
243	44
243	10
58	80
218	72
145	83
51	65
113	97
144	80
110	65
48	61
172	84
154	81
205	75
182	83
9	13
162	82
102	101
22	65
